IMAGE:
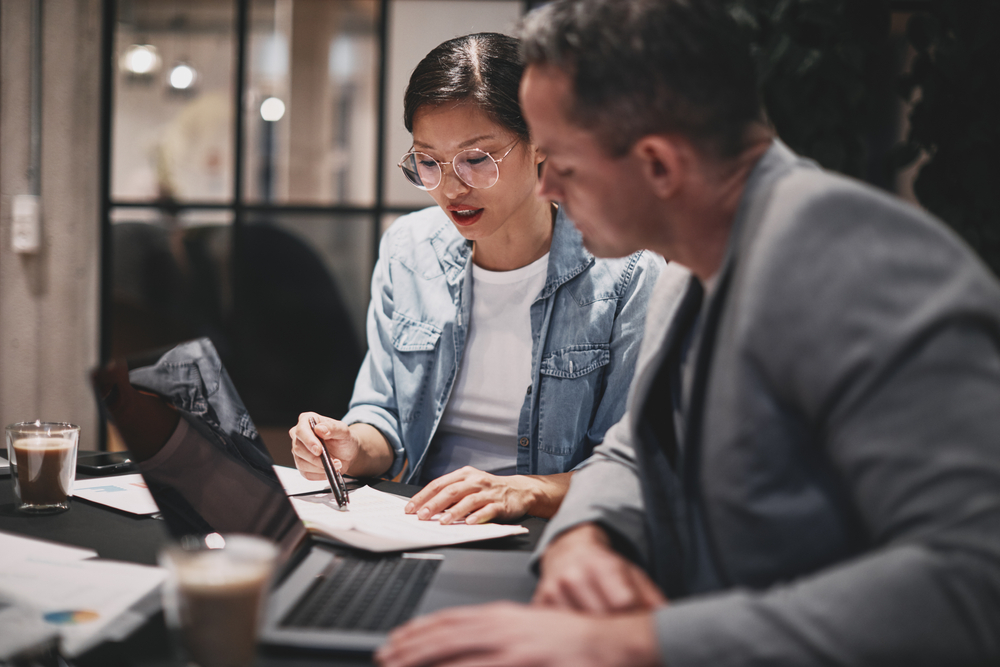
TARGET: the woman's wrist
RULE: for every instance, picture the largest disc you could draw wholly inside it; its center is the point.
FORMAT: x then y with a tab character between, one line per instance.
373	454
545	493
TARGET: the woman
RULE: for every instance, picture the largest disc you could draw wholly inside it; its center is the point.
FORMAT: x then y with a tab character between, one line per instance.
500	350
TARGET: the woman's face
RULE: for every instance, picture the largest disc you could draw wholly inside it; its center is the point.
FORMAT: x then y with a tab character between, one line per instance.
443	131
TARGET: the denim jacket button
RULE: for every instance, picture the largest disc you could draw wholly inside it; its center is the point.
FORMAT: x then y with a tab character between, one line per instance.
529	390
523	442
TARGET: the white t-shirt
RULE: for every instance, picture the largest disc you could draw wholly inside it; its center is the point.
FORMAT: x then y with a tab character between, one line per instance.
479	424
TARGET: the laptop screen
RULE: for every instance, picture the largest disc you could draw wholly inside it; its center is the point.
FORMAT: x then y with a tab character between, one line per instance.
202	458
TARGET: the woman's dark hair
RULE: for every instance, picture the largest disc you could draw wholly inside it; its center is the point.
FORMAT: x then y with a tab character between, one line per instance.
484	68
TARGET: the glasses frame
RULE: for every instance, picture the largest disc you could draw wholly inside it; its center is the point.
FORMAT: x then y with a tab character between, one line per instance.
440	165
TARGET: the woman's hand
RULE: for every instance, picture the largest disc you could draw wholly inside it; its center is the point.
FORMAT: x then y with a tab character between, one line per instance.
307	443
359	450
474	496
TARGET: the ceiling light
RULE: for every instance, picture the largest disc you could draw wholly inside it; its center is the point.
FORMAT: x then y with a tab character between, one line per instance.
272	109
182	76
140	59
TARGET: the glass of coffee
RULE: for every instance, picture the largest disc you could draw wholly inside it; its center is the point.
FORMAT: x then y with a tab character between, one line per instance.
42	464
214	596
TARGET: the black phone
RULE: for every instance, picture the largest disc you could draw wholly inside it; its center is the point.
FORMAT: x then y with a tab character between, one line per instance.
103	463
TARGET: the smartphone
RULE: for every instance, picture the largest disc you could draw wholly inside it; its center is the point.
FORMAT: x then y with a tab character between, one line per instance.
103	463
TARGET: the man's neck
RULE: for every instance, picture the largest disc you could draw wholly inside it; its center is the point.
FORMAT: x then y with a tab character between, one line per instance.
711	210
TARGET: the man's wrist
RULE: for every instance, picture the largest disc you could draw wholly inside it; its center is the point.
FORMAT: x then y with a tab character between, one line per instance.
637	644
589	534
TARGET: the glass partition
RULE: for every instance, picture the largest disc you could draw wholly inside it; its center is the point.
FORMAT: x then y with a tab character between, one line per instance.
173	101
311	102
256	222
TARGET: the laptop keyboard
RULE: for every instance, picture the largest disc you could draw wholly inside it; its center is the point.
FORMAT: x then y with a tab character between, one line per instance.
364	593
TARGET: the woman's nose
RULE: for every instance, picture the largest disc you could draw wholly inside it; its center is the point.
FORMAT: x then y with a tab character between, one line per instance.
451	185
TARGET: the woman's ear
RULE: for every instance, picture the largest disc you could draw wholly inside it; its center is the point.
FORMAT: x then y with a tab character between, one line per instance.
662	163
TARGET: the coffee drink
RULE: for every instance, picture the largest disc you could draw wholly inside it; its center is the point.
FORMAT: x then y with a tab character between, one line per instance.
215	597
219	617
44	469
43	464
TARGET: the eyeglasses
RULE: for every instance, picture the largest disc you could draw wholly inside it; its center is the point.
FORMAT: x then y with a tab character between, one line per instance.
476	168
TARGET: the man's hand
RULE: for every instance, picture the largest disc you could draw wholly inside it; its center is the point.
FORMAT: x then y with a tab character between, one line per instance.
474	496
580	571
511	635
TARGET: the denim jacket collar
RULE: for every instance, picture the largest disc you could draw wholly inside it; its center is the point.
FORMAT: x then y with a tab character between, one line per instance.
567	256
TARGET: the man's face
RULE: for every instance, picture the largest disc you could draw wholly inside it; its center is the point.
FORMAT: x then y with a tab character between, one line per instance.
603	195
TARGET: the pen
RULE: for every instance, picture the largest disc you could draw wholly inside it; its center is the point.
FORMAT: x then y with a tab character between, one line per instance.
333	475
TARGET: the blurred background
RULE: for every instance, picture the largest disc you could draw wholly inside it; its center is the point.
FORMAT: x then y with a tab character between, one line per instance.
225	168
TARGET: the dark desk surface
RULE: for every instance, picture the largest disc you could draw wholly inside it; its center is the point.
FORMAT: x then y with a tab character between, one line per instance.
119	536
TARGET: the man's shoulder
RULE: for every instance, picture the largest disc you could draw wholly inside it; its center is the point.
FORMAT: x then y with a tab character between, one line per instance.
837	256
814	218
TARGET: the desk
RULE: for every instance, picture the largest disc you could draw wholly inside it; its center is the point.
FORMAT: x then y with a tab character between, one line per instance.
119	536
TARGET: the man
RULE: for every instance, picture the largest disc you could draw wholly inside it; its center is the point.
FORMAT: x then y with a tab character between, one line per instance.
808	472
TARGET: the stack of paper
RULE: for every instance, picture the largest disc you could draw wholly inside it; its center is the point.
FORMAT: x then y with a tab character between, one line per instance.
83	601
375	521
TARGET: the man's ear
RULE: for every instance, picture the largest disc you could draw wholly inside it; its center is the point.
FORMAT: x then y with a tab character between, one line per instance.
662	163
539	154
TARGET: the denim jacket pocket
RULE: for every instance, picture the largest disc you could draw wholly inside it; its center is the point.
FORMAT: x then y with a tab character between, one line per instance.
576	360
410	335
569	393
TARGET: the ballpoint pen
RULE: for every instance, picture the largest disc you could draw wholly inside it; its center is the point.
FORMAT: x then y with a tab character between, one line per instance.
333	475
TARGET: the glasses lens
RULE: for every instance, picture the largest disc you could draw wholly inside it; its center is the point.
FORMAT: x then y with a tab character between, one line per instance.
421	170
476	168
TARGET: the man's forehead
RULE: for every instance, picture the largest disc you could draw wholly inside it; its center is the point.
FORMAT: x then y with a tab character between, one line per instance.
546	95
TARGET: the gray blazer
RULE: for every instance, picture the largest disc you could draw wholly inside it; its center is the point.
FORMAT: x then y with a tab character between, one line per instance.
836	498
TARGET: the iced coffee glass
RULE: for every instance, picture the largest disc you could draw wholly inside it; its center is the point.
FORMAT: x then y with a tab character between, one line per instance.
214	596
42	464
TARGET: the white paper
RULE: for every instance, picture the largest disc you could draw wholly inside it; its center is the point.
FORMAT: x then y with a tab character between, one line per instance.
375	521
15	548
22	629
294	483
128	493
82	599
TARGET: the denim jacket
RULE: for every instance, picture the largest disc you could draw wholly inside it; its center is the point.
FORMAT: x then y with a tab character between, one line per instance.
191	377
586	325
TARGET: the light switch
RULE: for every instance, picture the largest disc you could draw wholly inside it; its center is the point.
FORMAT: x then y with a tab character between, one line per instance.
26	229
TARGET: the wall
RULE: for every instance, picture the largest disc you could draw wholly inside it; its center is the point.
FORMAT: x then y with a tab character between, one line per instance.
49	302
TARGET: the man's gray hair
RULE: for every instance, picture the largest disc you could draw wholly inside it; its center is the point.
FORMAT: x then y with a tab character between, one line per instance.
648	67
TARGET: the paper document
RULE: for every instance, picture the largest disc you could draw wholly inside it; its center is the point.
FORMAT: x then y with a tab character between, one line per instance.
85	601
129	493
14	548
22	630
294	483
376	522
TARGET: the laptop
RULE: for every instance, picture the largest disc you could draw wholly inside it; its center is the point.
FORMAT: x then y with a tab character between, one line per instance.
324	596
